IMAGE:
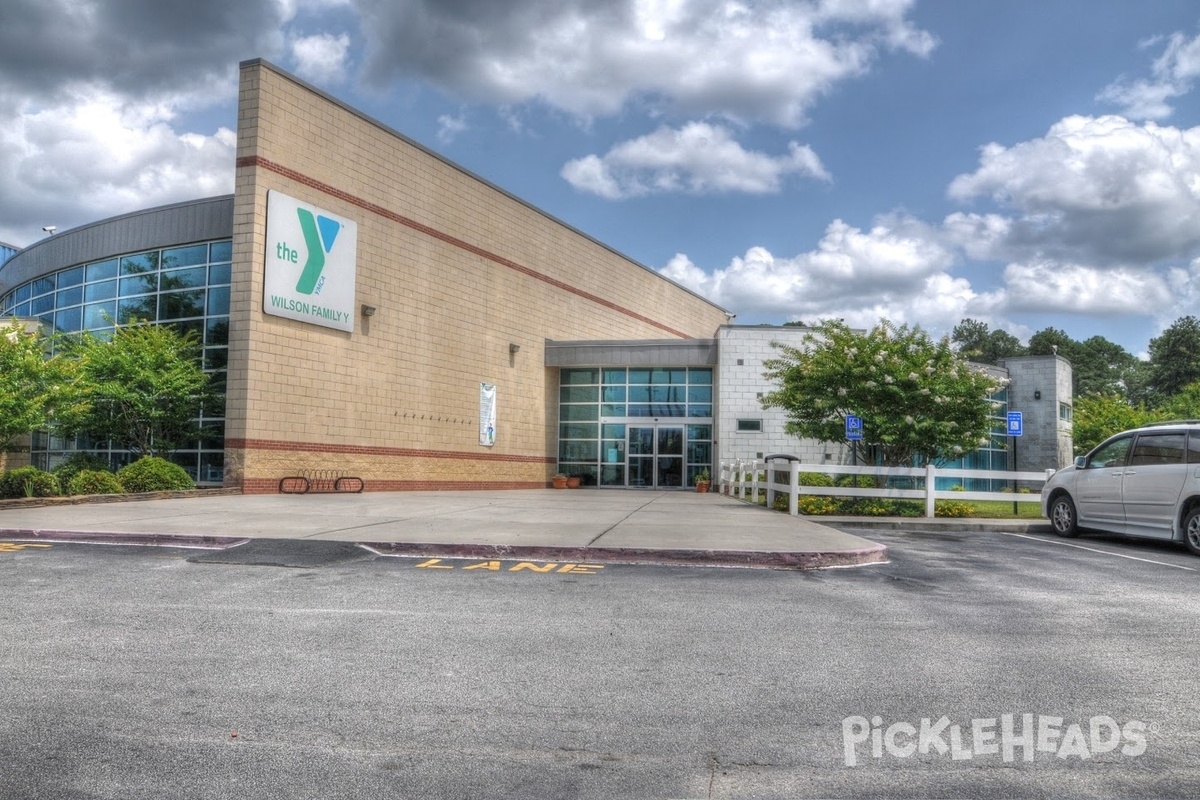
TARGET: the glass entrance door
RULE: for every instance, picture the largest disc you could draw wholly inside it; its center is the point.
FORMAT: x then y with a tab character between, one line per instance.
655	456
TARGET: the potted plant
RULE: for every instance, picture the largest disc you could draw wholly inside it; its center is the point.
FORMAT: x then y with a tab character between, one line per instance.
573	481
703	481
559	481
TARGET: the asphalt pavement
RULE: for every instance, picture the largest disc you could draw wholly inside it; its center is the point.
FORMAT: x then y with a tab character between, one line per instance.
563	525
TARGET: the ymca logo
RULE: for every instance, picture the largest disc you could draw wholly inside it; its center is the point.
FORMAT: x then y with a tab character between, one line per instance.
320	232
312	282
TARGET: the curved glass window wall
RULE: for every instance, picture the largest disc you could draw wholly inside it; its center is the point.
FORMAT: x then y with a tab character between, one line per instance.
186	287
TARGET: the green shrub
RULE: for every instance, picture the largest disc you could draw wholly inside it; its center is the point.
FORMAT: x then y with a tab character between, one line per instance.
76	464
28	482
815	479
154	474
94	481
952	508
816	505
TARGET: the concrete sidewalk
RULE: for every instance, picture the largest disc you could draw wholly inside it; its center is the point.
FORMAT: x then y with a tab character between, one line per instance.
572	525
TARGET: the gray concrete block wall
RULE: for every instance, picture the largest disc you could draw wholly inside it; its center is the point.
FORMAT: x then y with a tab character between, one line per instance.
1039	386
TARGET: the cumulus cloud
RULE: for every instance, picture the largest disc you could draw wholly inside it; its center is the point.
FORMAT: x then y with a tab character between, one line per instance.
898	269
1174	72
99	155
1103	191
1077	288
449	127
321	58
698	158
750	62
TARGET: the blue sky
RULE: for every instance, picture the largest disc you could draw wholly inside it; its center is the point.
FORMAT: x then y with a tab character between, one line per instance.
1023	163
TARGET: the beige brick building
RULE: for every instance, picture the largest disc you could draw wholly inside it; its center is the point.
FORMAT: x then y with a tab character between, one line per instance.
466	282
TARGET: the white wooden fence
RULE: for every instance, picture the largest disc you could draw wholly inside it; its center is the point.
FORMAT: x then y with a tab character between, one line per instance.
739	478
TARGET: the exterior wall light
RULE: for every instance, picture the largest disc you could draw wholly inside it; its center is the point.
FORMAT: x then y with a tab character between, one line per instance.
513	348
368	311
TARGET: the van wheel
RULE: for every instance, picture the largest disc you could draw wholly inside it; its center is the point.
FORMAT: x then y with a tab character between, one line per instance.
1191	530
1062	518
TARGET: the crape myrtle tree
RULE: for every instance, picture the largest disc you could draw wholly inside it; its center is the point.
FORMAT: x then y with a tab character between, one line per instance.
143	388
920	401
32	386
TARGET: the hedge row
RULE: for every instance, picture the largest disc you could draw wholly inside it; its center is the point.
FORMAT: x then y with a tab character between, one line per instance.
85	474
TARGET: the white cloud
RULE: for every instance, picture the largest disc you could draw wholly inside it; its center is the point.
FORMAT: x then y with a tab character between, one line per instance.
321	58
899	269
747	61
1174	72
98	155
1103	191
450	127
1081	289
698	158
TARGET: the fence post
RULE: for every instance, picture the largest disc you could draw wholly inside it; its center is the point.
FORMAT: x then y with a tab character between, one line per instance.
754	482
794	488
930	489
770	485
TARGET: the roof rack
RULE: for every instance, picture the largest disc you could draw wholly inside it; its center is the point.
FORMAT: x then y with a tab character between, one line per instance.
1172	422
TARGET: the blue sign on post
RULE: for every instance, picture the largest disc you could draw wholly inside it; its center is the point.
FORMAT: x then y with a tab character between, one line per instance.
854	429
1016	423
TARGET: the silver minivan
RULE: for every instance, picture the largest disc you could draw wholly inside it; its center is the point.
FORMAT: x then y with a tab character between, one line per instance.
1143	482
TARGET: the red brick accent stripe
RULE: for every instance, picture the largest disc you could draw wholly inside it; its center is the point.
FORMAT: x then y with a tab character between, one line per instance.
355	449
271	485
258	161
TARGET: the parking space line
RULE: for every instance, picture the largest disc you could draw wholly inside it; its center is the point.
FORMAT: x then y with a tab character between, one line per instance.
1094	550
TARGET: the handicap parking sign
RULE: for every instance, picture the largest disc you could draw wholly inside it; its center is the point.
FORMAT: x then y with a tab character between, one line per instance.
854	429
1016	423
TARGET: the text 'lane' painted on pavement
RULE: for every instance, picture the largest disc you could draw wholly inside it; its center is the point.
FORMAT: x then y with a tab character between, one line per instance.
13	547
521	566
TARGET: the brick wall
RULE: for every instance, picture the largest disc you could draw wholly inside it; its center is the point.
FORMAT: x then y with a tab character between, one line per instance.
457	270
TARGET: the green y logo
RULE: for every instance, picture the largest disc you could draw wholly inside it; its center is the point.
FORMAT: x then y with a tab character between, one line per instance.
319	235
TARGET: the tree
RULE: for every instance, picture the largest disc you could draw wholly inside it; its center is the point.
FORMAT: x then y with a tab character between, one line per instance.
918	399
1098	366
1175	358
1099	416
977	343
143	388
1185	404
31	385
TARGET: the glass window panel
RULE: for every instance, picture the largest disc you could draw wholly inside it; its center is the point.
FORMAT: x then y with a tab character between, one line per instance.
618	432
102	270
614	394
221	251
1194	447
183	278
135	309
579	394
667	394
212	467
140	263
139	284
679	376
699	452
69	320
217	332
94	315
586	413
700	376
697	432
23	293
745	425
69	297
668	410
579	450
639	394
40	305
699	394
218	301
612	451
192	327
21	310
105	290
185	256
660	376
612	410
1158	448
699	411
176	305
216	358
575	377
579	430
47	319
612	475
1111	455
70	277
187	461
614	376
639	376
638	410
43	285
218	274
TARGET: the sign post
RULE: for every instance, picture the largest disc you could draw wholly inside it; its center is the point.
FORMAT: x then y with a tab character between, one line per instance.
1016	427
854	435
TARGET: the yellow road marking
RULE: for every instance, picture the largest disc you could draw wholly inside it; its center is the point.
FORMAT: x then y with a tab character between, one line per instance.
13	547
492	565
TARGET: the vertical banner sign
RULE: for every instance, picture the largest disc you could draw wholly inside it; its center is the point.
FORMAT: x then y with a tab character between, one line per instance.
310	263
487	414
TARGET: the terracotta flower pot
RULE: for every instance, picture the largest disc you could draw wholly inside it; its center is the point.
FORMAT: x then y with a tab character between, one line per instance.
573	481
559	482
702	486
